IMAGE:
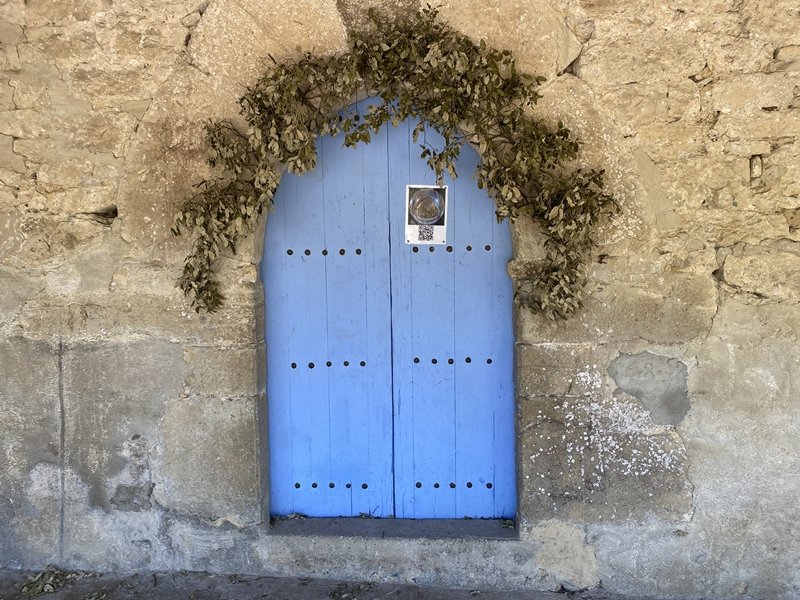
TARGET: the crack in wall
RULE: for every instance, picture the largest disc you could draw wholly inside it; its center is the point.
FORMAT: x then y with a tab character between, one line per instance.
61	450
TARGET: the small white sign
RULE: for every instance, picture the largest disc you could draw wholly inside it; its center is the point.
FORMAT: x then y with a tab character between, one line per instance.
426	214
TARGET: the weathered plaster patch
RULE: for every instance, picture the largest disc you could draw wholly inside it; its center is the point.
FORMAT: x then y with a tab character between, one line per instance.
604	458
562	551
615	429
132	497
193	471
661	383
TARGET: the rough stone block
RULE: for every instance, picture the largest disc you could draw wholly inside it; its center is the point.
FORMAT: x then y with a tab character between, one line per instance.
769	271
234	39
676	309
6	98
166	157
354	12
774	125
539	37
22	124
122	314
595	458
15	288
753	92
208	464
221	371
789	53
37	520
658	204
10	33
560	370
8	158
780	178
151	279
611	62
562	551
647	105
115	396
528	241
29	440
671	141
122	540
751	377
745	322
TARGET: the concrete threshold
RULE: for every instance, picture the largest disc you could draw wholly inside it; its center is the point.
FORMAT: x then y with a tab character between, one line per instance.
460	529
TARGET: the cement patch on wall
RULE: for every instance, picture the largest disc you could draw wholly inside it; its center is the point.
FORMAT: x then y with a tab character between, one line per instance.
659	382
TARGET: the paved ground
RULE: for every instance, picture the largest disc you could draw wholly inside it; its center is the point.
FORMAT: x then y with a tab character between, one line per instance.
202	586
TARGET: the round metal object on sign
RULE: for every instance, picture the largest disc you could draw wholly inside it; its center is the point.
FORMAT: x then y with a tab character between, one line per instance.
426	206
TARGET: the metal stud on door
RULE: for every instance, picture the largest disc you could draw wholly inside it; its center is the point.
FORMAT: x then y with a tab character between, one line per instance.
389	364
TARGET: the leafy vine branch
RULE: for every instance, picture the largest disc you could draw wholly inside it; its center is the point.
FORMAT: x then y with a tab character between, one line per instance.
420	68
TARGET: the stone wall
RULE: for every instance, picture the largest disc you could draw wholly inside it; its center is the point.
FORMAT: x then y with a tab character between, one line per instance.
658	429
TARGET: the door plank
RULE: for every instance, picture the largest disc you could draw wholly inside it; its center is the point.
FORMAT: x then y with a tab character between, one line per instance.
331	308
474	333
448	423
359	339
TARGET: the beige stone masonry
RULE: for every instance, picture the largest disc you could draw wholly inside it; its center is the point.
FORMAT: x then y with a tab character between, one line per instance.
657	429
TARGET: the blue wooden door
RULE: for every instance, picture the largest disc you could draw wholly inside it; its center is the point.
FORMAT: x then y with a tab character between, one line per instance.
389	375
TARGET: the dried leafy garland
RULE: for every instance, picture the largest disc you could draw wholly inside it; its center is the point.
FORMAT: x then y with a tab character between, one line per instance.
421	69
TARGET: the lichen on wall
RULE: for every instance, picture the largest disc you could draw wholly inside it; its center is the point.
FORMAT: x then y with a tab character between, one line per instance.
658	431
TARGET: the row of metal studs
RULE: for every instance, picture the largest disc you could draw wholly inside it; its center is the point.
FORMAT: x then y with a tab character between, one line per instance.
342	251
363	363
307	252
450	361
487	247
364	486
346	363
332	485
452	485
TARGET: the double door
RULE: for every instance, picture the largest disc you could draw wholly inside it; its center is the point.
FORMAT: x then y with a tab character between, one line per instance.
389	365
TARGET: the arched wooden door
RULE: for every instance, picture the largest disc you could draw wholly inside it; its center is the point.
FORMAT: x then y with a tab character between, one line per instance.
390	366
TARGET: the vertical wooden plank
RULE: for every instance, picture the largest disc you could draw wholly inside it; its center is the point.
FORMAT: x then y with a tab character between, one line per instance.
423	324
504	485
305	282
402	353
277	324
359	323
378	499
344	303
474	332
434	388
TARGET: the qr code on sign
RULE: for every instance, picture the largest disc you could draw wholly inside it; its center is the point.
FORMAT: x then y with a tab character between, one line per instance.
425	233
